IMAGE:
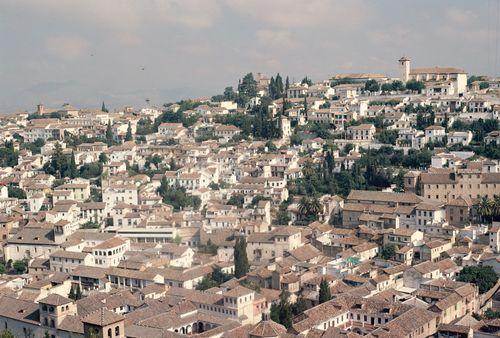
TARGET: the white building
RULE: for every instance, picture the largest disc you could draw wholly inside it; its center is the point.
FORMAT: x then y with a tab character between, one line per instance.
433	74
110	252
460	137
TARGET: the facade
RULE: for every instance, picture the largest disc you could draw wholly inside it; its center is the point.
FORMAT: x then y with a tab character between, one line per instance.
363	132
456	183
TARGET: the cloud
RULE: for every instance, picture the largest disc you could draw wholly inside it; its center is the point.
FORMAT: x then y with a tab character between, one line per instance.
127	14
66	47
276	38
296	14
459	16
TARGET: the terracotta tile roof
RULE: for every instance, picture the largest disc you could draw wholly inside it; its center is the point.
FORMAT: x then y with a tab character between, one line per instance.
268	328
102	317
111	243
55	299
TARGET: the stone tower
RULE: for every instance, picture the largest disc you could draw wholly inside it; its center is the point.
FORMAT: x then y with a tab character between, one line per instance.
404	68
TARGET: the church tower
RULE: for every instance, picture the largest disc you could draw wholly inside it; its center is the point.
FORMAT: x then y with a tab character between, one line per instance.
404	68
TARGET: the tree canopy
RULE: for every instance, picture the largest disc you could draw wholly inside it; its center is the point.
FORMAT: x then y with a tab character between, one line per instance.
483	276
241	265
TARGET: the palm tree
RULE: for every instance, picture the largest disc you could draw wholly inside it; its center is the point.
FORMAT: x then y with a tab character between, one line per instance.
496	207
485	208
314	206
308	169
304	206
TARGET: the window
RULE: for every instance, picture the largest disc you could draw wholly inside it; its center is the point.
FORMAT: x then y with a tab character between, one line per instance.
117	331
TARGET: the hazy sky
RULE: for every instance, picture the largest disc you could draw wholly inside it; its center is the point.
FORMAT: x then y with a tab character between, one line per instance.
84	52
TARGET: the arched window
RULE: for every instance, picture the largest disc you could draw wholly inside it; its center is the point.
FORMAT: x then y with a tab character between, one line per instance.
110	333
44	307
117	331
45	322
52	324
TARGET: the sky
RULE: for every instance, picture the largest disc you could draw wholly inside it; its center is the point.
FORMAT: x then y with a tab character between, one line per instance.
124	51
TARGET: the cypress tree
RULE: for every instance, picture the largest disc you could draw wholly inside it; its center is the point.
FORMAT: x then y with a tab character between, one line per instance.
72	170
78	293
241	266
324	292
103	108
279	86
109	133
285	310
272	88
128	136
287	83
58	161
71	294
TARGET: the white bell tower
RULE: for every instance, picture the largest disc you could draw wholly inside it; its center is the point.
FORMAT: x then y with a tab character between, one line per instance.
404	68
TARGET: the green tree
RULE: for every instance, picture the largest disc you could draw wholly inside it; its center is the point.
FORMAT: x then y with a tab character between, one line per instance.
177	239
282	313
206	283
299	307
58	161
388	251
219	276
128	136
103	108
282	217
387	136
7	334
177	196
109	134
496	207
90	170
90	225
483	276
209	248
484	85
485	209
72	170
241	266
35	147
415	86
324	292
398	85
372	86
306	81
2	268
247	89
236	200
78	292
386	87
229	94
71	294
21	266
16	192
8	156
